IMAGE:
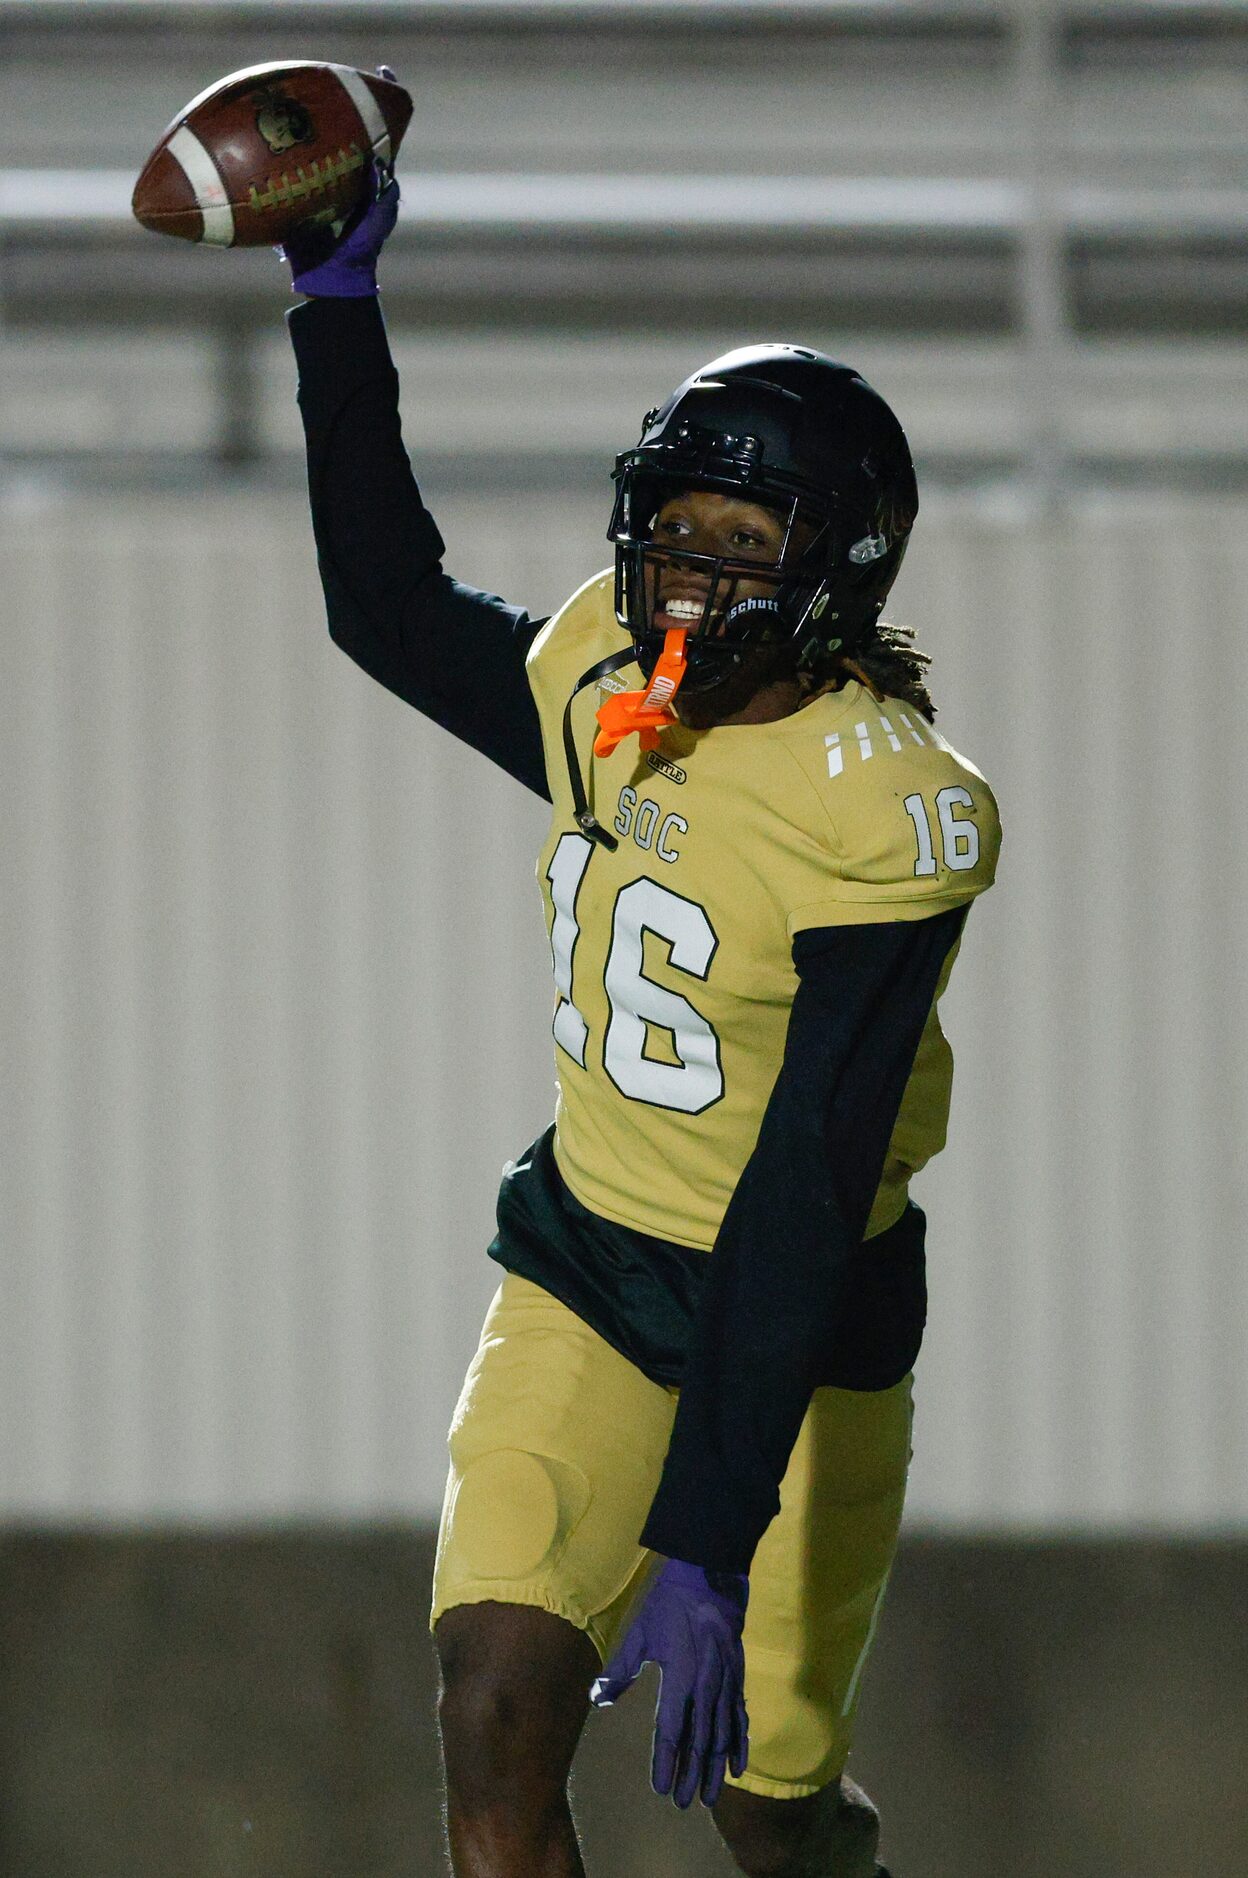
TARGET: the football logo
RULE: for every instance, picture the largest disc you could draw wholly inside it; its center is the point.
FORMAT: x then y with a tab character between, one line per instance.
282	121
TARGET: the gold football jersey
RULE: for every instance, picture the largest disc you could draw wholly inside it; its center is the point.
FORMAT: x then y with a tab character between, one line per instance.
673	961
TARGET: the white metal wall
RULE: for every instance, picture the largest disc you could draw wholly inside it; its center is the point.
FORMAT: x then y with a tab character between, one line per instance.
275	1008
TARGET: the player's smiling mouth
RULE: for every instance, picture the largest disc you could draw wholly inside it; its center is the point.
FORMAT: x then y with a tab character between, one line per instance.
683	609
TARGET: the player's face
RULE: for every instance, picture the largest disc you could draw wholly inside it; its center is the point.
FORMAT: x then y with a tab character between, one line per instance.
707	521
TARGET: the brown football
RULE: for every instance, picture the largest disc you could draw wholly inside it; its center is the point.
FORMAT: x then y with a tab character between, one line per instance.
269	150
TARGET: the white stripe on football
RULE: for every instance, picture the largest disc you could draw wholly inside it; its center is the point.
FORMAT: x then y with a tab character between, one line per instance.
211	196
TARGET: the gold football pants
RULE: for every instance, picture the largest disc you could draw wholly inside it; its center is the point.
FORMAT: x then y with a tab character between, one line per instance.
556	1448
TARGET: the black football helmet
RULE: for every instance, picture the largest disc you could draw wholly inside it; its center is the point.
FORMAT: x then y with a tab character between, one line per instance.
804	436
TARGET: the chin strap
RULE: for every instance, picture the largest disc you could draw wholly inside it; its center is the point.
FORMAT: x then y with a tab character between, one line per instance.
646	712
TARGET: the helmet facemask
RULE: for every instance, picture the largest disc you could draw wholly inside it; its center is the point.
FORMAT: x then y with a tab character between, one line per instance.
780	594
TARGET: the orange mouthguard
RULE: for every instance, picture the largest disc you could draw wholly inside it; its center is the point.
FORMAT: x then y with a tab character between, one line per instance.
645	712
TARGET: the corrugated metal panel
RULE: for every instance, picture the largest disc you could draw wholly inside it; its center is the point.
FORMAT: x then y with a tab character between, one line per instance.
276	1011
1089	1301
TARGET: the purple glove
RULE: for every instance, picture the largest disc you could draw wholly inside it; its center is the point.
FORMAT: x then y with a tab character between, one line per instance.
690	1625
343	265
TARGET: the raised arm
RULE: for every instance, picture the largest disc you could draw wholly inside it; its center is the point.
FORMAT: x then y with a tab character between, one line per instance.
453	652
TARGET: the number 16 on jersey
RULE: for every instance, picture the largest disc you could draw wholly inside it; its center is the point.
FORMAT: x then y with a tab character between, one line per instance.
696	1079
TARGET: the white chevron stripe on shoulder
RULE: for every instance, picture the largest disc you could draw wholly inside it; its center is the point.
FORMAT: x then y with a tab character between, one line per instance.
370	111
205	179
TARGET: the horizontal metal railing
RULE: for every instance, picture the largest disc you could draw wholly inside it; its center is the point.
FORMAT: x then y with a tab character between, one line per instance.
713	12
729	205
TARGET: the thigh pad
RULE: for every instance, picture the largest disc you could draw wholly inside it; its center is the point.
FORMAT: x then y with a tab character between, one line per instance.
514	1511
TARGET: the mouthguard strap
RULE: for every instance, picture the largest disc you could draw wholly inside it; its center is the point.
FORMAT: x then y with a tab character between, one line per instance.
586	820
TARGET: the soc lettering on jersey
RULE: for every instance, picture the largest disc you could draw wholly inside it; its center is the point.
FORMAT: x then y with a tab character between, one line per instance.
672	955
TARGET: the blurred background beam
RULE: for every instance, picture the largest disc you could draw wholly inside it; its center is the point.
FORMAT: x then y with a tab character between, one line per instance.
1044	236
516	13
239	439
736	208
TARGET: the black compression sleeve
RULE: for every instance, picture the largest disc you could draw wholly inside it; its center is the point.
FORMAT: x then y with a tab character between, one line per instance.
776	1278
453	652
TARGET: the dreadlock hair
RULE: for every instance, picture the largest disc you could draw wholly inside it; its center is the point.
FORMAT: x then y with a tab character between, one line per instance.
887	661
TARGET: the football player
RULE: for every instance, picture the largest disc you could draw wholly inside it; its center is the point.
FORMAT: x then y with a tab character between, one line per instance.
684	1437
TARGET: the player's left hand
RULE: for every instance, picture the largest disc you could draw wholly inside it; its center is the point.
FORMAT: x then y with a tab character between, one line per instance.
690	1624
340	262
